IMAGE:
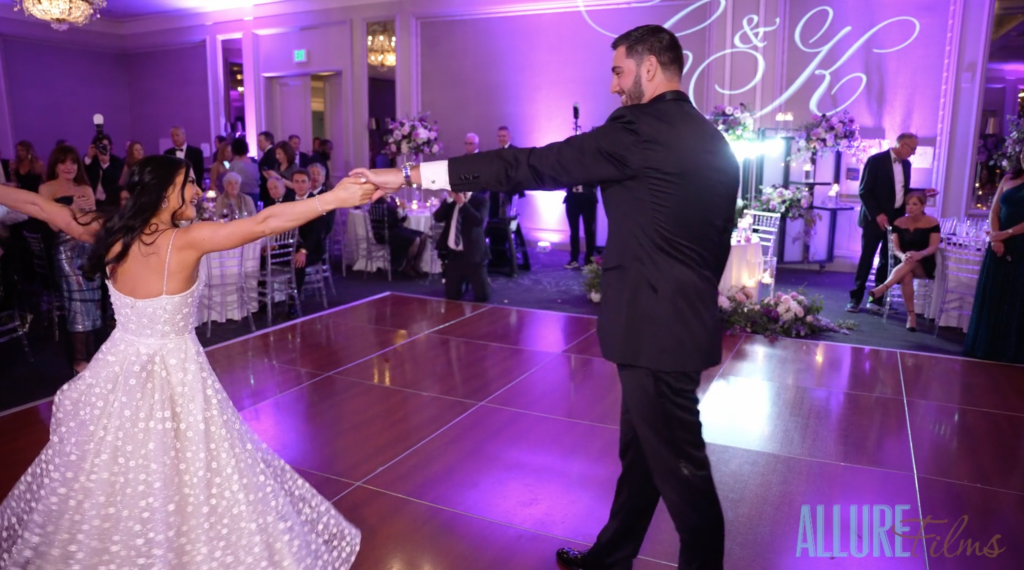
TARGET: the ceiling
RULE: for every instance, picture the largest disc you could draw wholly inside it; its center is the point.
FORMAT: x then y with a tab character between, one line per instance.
125	9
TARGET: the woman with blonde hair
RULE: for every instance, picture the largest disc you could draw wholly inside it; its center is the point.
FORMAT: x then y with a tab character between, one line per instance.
219	168
915	239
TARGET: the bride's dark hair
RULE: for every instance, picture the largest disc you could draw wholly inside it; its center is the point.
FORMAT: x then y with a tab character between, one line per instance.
148	182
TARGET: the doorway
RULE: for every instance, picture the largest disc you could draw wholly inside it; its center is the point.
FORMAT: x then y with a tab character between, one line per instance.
309	106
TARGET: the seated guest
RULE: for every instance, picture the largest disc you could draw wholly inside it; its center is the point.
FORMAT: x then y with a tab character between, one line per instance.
277	193
997	321
915	239
406	244
317	178
245	168
462	245
312	234
232	204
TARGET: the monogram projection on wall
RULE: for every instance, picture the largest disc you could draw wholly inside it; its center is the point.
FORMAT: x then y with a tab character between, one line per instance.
885	37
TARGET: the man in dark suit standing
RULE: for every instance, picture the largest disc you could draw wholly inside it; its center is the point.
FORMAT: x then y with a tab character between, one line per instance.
669	181
581	203
884	183
267	162
301	157
462	245
193	154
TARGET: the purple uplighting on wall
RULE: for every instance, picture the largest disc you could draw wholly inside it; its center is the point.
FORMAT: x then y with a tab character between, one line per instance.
879	60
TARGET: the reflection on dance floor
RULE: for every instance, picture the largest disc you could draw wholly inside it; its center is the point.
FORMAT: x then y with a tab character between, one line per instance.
471	436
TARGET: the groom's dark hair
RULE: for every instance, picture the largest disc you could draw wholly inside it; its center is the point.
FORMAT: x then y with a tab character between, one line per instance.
653	40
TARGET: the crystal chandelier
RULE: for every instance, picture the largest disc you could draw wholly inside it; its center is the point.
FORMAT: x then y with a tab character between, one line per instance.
62	13
380	44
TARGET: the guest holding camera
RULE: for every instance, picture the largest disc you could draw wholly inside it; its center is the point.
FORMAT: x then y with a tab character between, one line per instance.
462	245
997	320
103	168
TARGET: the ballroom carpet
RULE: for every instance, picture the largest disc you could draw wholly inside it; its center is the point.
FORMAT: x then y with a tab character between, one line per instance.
548	286
460	436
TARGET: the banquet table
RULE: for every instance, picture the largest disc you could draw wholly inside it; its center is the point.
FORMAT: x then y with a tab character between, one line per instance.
743	267
420	219
225	304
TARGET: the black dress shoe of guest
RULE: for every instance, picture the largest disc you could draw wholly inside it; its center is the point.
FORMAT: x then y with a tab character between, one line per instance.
577	559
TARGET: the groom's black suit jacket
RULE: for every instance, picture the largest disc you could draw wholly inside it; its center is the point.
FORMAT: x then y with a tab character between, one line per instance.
670	183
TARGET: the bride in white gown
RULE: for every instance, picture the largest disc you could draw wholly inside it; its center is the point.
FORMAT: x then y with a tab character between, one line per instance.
149	466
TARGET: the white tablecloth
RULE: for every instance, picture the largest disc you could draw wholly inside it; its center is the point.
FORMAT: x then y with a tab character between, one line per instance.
222	296
743	267
420	219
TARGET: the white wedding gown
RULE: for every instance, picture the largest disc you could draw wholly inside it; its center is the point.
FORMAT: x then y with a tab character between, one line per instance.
149	466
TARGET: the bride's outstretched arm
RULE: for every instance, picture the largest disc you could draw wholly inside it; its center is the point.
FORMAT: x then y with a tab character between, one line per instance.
58	215
207	237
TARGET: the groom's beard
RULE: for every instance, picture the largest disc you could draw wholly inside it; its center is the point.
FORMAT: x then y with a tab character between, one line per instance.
635	94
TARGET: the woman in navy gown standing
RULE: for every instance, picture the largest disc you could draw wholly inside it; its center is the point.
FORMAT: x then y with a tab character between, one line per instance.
997	320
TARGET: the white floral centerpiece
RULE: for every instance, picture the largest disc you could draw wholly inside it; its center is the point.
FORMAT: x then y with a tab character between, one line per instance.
592	279
412	137
829	133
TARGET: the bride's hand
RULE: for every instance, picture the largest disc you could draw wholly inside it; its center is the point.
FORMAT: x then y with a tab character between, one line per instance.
387	179
355	191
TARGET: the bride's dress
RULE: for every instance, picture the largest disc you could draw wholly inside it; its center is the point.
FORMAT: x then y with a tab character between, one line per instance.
149	466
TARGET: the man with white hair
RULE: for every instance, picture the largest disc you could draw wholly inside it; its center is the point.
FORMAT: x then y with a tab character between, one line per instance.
181	149
472	143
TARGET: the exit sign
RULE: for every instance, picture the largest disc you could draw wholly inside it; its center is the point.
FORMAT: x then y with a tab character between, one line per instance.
300	56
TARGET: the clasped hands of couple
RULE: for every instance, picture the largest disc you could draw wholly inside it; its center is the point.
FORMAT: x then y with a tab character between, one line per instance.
384	181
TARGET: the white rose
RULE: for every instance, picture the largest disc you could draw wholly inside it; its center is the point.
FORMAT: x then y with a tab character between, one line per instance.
809	319
405	147
724	303
434	149
798	310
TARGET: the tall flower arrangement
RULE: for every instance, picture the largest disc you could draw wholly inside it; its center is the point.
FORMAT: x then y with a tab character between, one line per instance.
792	204
829	133
416	137
736	123
1009	154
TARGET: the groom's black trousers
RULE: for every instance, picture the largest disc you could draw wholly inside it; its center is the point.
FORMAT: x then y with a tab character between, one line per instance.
663	457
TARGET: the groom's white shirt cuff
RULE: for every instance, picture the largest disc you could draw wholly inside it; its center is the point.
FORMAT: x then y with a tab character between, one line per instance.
434	175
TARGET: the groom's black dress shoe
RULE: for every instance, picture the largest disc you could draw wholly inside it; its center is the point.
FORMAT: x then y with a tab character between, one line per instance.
577	559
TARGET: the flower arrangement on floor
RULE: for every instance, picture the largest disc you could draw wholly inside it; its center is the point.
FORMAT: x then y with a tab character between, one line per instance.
792	204
829	134
416	137
736	123
592	279
784	315
1009	154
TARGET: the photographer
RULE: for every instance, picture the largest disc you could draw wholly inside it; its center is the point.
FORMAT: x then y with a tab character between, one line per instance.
104	169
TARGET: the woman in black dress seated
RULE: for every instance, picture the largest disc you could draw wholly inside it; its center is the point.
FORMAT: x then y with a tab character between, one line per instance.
997	320
915	239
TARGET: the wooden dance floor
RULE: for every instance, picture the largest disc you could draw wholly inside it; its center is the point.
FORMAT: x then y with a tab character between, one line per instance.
461	436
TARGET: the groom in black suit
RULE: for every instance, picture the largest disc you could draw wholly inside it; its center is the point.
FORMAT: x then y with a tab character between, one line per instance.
669	181
884	183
